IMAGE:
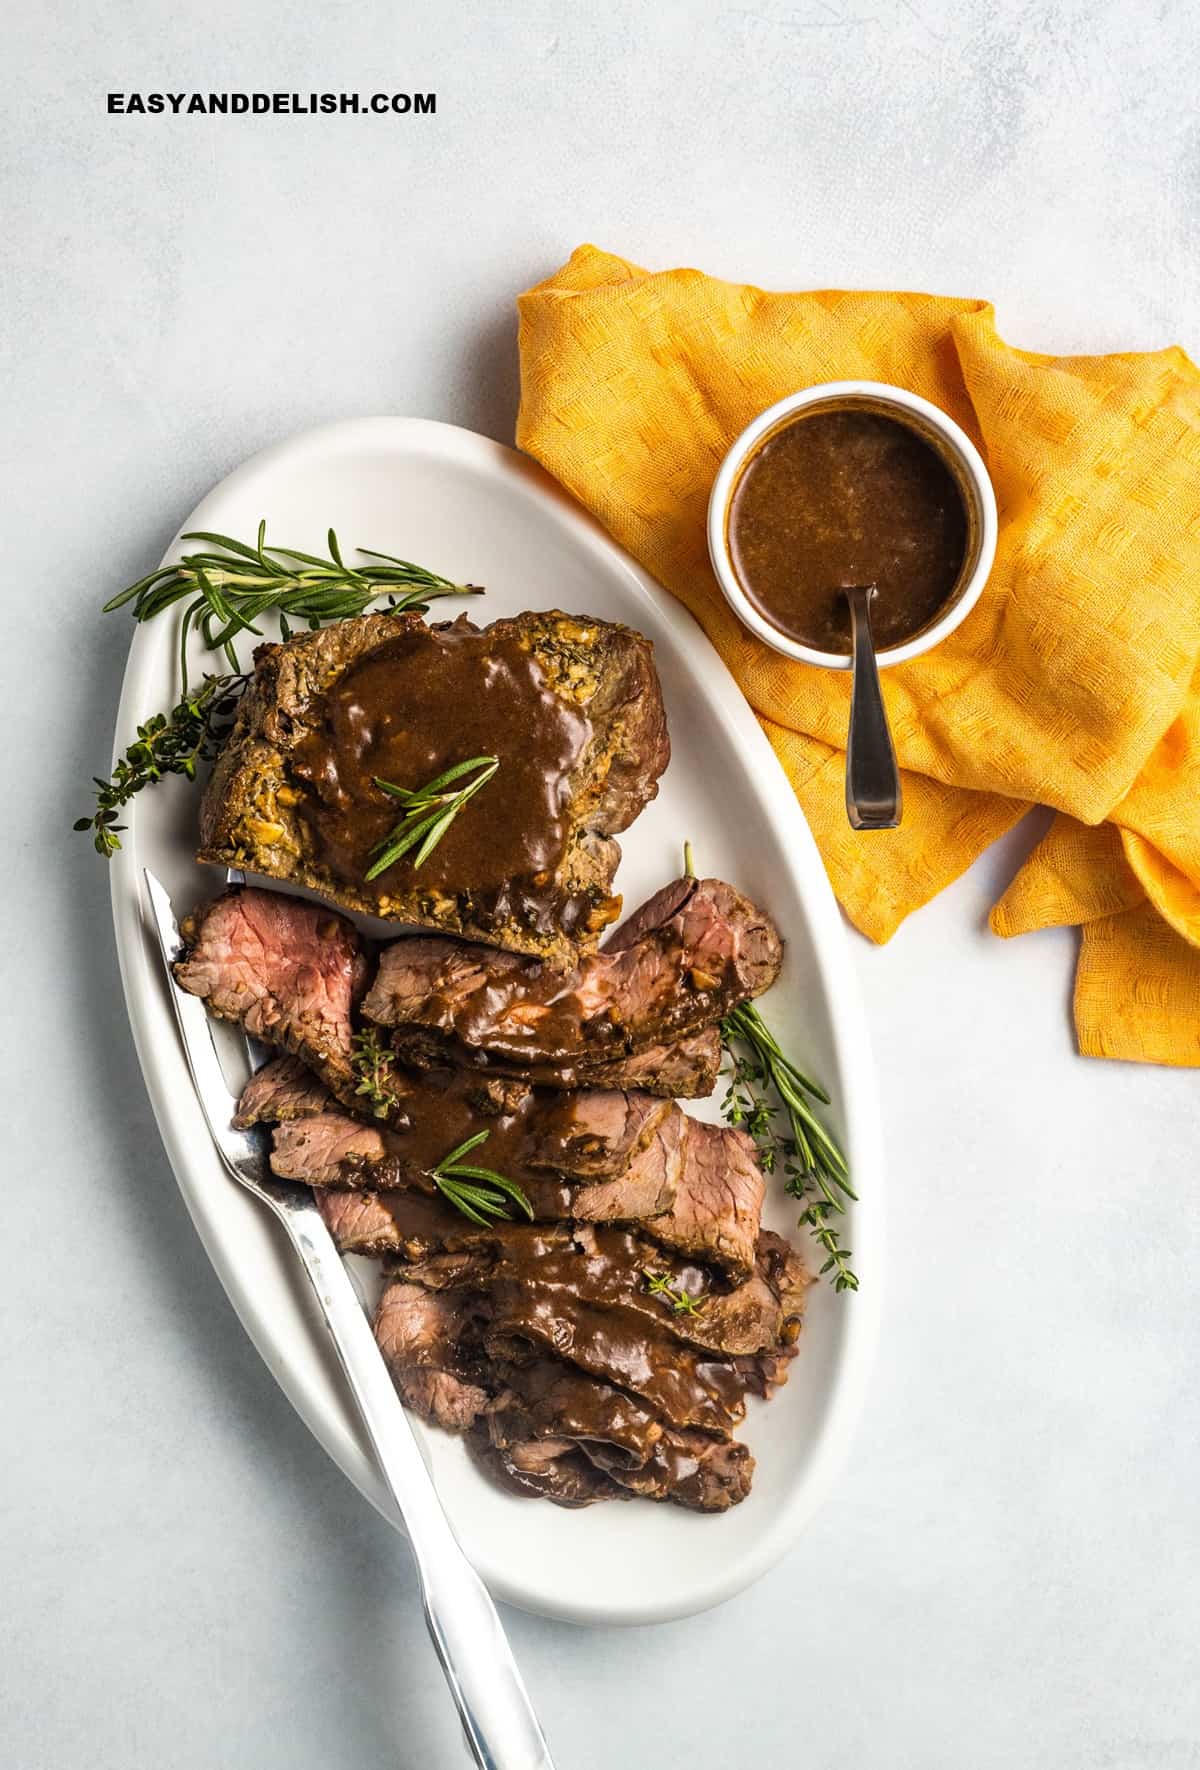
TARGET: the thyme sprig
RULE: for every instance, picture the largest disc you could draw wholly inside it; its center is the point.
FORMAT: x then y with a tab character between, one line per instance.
681	1300
168	743
229	586
479	1193
375	1067
814	1168
428	812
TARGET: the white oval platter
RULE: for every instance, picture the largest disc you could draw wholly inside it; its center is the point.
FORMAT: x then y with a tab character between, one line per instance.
478	512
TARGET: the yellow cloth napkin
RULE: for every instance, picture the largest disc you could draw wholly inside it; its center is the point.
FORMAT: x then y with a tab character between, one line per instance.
1074	683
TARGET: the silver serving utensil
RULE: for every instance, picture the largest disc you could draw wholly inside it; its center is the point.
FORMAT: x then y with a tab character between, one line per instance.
501	1727
872	779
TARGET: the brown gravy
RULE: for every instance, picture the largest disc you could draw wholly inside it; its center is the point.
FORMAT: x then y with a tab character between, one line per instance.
840	496
411	709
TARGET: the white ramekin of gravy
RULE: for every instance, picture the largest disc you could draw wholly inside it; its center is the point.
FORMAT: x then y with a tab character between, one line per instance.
852	482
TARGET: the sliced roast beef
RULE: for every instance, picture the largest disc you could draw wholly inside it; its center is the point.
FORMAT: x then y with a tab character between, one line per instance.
405	1217
333	1149
532	1307
705	1471
547	1469
718	1204
282	1089
701	949
587	1134
609	1267
636	1140
547	1399
288	971
685	1069
564	1411
429	1343
686	1386
711	1172
370	1222
585	1360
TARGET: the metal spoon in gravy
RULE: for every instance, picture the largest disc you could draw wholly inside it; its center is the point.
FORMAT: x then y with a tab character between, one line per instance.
873	800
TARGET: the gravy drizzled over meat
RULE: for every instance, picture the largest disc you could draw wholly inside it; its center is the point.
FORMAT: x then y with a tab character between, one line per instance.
465	694
605	1349
697	949
587	1135
571	708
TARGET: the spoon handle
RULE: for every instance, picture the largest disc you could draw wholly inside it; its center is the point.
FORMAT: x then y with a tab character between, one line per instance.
872	778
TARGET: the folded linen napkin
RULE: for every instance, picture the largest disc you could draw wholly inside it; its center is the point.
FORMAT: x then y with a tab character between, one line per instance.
1074	683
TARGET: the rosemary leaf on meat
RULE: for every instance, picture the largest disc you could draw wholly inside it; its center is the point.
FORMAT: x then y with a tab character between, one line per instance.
814	1169
479	1193
680	1300
168	743
428	812
375	1066
228	586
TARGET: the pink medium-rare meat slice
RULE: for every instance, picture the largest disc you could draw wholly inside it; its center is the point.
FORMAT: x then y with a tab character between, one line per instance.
425	1341
288	971
717	1213
331	1149
701	949
359	1222
282	1089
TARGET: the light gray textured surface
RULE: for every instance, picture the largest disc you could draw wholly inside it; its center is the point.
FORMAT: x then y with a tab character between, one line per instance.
1007	1574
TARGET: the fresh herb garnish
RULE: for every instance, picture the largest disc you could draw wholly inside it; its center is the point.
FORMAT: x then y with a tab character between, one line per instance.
168	743
230	587
681	1300
479	1193
375	1066
428	812
814	1168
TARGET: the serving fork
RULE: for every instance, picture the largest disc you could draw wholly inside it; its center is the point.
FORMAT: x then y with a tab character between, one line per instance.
498	1719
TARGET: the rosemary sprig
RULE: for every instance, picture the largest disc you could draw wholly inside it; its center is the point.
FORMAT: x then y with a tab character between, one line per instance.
229	586
428	812
681	1300
479	1193
168	743
815	1170
375	1067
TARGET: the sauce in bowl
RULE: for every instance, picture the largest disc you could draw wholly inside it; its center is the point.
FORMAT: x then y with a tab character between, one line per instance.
847	494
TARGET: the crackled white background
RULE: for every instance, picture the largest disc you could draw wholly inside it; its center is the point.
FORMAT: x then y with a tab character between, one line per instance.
1007	1573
